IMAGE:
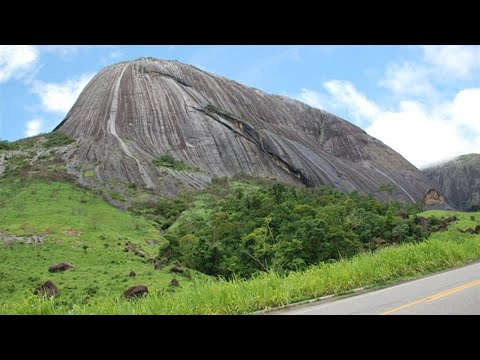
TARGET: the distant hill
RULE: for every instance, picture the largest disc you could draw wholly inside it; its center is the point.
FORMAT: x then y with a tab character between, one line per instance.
459	181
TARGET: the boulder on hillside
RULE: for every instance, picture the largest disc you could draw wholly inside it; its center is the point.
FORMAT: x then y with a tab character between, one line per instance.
48	288
174	282
60	267
176	269
135	292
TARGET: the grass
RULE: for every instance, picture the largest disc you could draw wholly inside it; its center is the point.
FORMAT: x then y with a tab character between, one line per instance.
208	296
47	140
80	229
55	139
464	221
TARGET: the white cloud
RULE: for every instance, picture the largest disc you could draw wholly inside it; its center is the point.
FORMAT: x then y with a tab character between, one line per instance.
422	134
34	127
421	138
17	61
343	93
458	61
408	79
60	97
438	64
311	98
466	108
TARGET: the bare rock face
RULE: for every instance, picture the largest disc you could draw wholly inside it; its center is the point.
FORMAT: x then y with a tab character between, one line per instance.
433	197
459	180
434	200
167	125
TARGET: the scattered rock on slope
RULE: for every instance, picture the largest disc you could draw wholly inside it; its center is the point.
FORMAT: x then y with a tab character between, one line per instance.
12	239
135	291
60	267
48	289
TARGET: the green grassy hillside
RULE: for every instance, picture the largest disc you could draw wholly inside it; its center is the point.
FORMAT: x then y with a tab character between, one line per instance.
81	229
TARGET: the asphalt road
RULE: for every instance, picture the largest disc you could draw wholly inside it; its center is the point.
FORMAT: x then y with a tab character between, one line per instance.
447	293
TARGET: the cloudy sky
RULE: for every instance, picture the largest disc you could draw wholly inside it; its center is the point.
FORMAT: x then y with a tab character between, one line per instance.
423	101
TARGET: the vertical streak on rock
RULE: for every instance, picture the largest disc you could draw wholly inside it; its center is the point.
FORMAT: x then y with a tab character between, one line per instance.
389	178
112	129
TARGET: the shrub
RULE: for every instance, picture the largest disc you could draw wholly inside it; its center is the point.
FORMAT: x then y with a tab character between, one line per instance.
56	138
167	160
5	145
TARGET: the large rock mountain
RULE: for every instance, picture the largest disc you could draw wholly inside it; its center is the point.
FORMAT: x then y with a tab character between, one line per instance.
135	112
459	181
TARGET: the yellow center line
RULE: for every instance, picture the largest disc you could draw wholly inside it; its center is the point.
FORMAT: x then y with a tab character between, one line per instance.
434	296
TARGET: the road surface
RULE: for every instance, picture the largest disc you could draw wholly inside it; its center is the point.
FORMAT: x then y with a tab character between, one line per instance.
452	292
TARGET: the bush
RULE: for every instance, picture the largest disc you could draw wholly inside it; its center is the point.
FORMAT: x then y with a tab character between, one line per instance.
5	145
167	160
56	138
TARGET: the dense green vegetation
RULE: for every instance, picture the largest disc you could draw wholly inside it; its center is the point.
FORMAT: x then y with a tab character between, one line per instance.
442	250
259	226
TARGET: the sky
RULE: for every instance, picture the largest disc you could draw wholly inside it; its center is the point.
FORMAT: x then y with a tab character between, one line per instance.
422	101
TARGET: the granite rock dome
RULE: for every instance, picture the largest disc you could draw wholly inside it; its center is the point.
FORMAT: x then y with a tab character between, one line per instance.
134	112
